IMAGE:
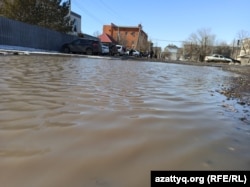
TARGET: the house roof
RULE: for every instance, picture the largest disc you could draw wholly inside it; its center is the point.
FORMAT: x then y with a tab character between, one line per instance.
122	26
75	14
105	38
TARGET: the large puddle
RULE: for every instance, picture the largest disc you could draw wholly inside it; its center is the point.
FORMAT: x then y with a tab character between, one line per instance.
96	122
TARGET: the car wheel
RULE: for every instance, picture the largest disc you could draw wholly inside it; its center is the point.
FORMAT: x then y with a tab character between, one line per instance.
89	51
66	50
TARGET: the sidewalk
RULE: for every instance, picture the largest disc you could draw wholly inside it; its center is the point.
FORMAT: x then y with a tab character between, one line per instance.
7	49
18	50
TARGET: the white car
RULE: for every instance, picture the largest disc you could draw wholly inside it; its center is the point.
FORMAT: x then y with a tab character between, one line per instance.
217	58
105	49
120	49
134	52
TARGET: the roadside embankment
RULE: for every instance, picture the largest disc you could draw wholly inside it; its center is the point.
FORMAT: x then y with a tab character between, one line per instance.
240	85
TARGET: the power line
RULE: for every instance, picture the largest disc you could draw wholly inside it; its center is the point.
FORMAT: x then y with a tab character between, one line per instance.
111	10
85	11
163	40
107	8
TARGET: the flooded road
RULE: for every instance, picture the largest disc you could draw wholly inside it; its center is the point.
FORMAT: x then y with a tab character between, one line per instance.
82	122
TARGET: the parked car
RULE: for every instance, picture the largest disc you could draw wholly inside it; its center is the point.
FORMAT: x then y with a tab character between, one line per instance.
133	52
145	54
105	49
121	49
83	46
113	50
217	58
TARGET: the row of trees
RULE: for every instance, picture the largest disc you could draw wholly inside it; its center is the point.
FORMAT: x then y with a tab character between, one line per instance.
52	14
202	43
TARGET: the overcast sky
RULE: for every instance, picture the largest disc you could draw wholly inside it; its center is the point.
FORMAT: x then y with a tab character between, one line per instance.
166	21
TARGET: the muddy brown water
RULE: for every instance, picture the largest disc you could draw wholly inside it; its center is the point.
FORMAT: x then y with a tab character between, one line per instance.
96	122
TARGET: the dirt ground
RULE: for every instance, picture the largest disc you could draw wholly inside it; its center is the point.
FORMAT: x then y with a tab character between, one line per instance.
240	86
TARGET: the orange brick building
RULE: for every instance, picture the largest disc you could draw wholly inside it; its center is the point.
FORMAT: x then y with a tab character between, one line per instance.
130	37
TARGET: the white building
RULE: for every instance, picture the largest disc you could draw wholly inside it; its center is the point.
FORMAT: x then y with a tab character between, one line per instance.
245	47
173	50
245	52
76	20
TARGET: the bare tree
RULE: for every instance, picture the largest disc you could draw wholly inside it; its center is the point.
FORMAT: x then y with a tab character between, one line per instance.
191	51
96	33
199	44
166	54
222	48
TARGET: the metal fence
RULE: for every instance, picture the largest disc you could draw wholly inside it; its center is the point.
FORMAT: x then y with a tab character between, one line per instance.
16	33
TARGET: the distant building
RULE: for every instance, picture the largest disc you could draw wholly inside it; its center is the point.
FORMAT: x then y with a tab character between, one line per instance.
76	20
157	51
245	47
244	56
128	36
173	51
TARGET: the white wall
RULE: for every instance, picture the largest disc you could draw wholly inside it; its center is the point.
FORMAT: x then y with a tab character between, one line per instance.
77	22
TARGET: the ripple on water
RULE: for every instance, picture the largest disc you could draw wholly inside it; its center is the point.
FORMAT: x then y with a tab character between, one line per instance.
90	122
21	152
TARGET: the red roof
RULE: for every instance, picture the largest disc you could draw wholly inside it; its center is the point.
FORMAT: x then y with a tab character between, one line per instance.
105	38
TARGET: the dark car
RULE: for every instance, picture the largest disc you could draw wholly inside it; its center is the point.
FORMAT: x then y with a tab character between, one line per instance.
113	50
83	46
